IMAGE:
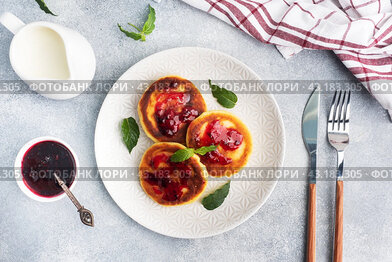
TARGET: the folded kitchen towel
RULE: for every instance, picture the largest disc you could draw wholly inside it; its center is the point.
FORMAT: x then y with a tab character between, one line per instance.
358	31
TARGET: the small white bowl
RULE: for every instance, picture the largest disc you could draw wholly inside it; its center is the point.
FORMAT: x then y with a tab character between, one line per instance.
18	169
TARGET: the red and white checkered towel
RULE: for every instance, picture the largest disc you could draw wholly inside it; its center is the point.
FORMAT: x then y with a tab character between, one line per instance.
359	32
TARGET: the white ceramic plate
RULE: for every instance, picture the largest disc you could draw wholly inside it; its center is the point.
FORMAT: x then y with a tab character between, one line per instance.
259	112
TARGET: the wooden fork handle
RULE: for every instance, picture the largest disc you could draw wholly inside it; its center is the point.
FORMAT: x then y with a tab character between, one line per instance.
338	243
311	245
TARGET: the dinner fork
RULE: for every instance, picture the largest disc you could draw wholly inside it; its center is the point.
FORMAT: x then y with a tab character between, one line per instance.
338	129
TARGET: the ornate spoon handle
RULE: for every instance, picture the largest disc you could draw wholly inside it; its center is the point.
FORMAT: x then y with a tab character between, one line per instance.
68	192
85	215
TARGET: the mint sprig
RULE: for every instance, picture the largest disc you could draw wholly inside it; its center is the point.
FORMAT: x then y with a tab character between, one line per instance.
186	153
44	7
147	29
130	133
205	149
224	97
217	198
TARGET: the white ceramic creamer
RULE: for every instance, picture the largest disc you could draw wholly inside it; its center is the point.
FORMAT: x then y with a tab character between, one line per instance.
53	60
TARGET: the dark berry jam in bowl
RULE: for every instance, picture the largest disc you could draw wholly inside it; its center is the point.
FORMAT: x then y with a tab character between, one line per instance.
36	164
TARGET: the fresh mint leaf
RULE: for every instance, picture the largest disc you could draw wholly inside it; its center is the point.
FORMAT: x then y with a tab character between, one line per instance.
148	27
133	35
134	26
130	133
186	153
224	97
182	155
44	7
205	149
216	199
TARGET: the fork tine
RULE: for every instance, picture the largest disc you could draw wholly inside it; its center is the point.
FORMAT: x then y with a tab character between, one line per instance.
347	112
342	112
331	111
337	111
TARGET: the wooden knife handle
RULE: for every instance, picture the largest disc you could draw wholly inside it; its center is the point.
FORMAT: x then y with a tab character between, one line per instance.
338	243
311	246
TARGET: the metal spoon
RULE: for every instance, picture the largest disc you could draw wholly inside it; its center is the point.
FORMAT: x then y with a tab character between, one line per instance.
85	215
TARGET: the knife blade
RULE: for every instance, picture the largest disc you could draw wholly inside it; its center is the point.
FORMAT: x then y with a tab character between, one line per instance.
309	134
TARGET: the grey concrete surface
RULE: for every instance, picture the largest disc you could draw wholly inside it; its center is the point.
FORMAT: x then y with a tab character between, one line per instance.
32	231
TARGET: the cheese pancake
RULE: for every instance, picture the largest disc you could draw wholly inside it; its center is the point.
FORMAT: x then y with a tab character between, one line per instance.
229	134
170	183
167	108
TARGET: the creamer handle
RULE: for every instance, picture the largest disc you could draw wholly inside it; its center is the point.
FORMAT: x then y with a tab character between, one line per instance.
11	22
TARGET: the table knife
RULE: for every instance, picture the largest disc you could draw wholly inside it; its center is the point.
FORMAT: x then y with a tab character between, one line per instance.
309	134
